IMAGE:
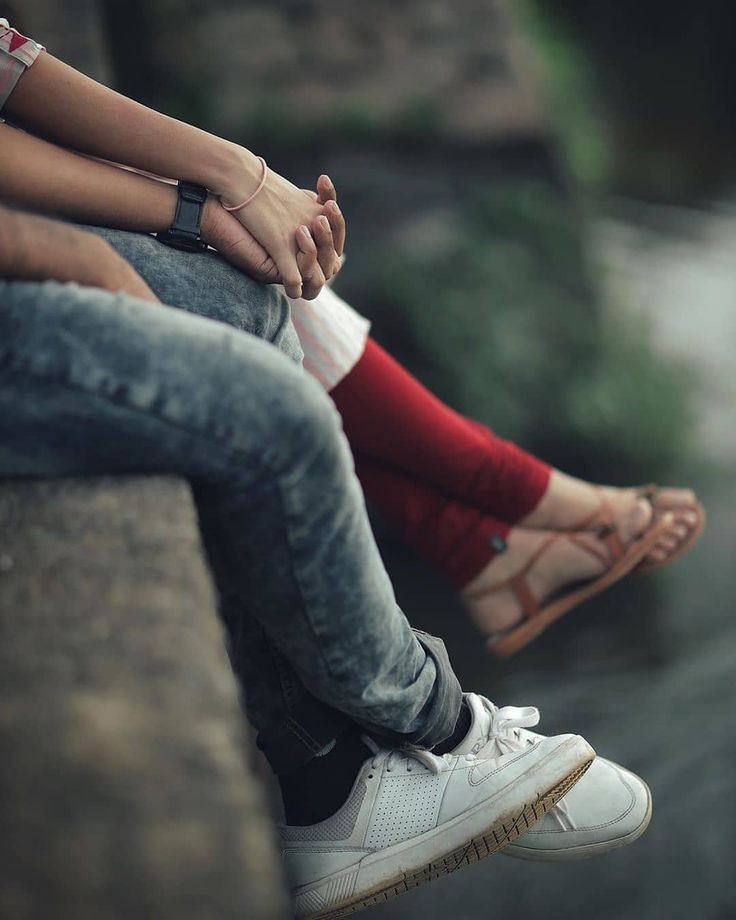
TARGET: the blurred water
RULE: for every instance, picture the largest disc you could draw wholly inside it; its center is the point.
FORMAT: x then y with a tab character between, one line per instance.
647	672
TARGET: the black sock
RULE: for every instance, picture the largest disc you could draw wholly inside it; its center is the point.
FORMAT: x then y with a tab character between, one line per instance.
317	790
462	727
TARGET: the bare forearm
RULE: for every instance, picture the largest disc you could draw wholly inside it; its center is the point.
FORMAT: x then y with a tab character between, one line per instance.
40	176
57	102
37	249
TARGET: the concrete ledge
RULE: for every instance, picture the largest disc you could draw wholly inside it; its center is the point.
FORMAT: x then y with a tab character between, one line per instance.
124	785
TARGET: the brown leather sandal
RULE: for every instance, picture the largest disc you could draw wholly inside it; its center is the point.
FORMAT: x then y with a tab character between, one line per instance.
619	558
653	494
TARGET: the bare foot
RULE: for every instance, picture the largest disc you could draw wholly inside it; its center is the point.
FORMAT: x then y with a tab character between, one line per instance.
569	501
563	563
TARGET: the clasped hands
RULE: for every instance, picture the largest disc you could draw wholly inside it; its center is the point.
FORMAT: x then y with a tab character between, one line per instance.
302	262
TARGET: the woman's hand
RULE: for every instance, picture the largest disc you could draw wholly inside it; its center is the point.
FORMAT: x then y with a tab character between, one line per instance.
317	245
274	217
327	196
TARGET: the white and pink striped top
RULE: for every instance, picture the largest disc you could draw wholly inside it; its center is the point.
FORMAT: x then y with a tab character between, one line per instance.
333	336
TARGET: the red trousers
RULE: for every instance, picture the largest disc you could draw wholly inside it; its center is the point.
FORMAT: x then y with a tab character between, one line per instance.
450	485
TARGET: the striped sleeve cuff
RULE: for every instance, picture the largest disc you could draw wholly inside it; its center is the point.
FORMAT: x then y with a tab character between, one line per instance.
16	54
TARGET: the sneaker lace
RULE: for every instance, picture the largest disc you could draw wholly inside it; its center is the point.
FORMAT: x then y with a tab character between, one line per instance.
392	757
506	733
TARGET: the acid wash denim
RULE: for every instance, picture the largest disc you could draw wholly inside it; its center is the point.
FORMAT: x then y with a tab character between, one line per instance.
93	382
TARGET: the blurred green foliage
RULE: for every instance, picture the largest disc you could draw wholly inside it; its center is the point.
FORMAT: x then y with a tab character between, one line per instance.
641	92
571	93
505	326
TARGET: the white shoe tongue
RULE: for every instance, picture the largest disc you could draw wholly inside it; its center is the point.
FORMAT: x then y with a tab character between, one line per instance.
478	732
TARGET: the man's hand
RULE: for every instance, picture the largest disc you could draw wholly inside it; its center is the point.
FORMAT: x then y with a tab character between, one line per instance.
117	275
35	248
228	236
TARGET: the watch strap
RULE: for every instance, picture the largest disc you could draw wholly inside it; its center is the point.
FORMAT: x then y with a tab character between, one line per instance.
185	230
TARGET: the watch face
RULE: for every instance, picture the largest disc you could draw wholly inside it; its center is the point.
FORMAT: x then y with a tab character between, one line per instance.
188	244
181	241
193	245
197	194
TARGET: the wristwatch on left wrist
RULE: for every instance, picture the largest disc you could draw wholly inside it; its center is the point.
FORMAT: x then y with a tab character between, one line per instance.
185	231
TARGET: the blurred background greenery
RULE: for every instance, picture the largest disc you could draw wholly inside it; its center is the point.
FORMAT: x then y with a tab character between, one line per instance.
465	185
541	225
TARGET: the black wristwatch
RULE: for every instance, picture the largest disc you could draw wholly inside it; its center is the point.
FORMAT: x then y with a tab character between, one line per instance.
184	233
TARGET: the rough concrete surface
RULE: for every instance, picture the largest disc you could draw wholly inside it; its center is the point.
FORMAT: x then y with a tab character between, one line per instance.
124	785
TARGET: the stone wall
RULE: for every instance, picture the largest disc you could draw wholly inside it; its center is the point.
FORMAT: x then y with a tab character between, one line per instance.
459	66
460	62
125	788
71	29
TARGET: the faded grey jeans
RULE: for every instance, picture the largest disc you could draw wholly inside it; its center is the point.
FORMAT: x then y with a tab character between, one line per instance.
92	382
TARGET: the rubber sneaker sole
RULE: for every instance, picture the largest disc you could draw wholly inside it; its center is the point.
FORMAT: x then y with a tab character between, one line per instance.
309	904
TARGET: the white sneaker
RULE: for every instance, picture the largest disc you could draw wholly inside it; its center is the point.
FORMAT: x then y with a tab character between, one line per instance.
413	816
609	809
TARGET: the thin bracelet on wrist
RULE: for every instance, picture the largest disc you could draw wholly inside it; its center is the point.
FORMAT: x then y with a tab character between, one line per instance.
250	198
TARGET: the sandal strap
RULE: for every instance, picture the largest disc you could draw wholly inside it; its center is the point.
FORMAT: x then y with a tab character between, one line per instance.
608	534
529	606
649	492
606	529
611	539
517	583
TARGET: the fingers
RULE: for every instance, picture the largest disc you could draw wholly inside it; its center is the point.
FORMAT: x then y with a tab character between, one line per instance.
327	195
325	190
326	253
251	258
337	224
228	236
291	276
307	260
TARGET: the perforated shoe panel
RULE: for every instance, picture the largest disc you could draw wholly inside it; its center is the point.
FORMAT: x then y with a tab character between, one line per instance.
406	805
337	827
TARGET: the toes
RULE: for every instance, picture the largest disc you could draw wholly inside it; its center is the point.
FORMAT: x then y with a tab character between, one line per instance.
639	518
666	544
676	498
669	542
687	518
677	532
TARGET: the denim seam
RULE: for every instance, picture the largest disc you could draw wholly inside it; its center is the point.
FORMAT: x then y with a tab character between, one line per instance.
286	518
287	695
293	726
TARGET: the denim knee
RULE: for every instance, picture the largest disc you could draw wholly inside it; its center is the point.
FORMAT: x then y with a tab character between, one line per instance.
300	422
206	284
